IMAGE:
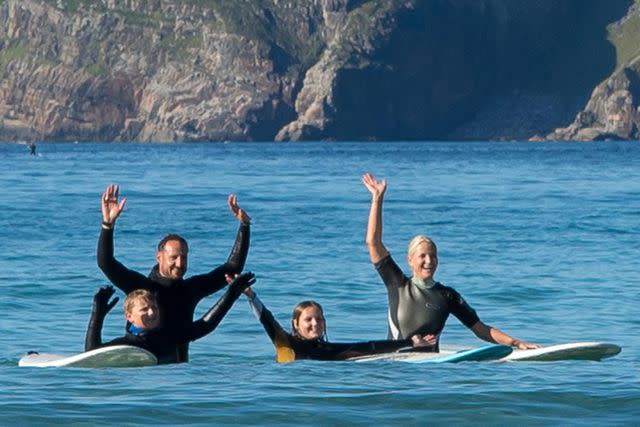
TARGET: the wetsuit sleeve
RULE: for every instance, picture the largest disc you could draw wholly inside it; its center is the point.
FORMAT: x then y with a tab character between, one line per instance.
204	285
238	255
93	338
461	309
124	279
348	350
269	323
212	318
391	274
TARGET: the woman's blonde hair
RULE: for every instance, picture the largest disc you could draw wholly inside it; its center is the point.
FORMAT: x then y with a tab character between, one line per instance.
417	241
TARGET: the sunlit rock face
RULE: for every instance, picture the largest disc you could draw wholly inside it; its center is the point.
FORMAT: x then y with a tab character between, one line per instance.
155	70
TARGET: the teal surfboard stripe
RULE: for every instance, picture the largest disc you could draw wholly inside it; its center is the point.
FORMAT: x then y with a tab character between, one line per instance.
488	352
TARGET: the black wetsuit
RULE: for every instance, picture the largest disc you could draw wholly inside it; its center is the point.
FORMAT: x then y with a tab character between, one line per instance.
177	299
162	341
317	349
416	311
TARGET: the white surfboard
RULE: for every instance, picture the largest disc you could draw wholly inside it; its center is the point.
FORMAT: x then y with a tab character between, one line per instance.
568	351
117	356
487	352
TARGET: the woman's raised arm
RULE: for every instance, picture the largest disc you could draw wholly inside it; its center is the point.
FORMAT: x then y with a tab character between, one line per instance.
377	251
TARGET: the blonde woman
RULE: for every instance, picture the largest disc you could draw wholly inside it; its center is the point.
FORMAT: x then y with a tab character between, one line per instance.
418	304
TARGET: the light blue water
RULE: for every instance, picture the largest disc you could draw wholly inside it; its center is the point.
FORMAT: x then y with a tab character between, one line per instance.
541	239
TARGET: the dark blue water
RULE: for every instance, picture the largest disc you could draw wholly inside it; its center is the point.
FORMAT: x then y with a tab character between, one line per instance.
541	239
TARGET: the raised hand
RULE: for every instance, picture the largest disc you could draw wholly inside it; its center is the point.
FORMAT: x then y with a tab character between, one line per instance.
101	304
242	282
376	188
111	208
248	291
237	211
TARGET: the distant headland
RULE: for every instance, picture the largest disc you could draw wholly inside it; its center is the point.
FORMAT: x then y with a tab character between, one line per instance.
293	70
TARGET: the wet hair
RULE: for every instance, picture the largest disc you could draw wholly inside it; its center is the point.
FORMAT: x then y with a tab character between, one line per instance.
137	296
417	241
170	237
297	311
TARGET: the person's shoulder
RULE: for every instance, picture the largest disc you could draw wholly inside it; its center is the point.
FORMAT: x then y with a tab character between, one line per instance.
444	288
386	262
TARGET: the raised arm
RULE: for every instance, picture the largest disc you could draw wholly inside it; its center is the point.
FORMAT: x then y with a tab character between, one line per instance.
125	279
212	318
279	337
202	285
240	249
111	207
101	306
269	323
377	251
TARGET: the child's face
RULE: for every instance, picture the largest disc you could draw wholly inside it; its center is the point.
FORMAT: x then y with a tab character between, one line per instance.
144	314
310	324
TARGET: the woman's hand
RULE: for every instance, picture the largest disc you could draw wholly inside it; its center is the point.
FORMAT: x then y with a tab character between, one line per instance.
375	187
523	345
425	340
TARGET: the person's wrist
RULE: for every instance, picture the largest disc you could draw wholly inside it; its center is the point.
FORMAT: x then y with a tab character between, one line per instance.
107	225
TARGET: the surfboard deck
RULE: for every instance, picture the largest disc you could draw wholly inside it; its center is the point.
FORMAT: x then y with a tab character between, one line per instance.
118	356
568	351
478	354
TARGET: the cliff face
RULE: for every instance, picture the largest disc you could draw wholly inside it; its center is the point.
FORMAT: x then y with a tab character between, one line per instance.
156	70
148	70
613	111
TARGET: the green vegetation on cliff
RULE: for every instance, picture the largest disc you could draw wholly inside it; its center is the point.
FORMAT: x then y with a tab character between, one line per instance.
97	70
72	6
625	36
260	20
17	49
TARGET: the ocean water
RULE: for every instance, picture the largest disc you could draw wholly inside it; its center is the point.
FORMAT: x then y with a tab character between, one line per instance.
540	238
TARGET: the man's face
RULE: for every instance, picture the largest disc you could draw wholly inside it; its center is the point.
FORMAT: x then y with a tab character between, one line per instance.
172	260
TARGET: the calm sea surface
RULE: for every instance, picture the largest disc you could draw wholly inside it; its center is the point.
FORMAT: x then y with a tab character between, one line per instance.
541	239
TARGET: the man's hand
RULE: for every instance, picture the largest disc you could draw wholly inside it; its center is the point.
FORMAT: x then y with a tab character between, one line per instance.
248	291
242	282
111	208
237	211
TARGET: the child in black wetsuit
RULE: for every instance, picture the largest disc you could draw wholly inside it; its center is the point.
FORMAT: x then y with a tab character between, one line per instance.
307	339
147	331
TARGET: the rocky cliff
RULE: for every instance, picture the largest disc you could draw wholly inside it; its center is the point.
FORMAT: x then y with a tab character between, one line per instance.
613	111
211	70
